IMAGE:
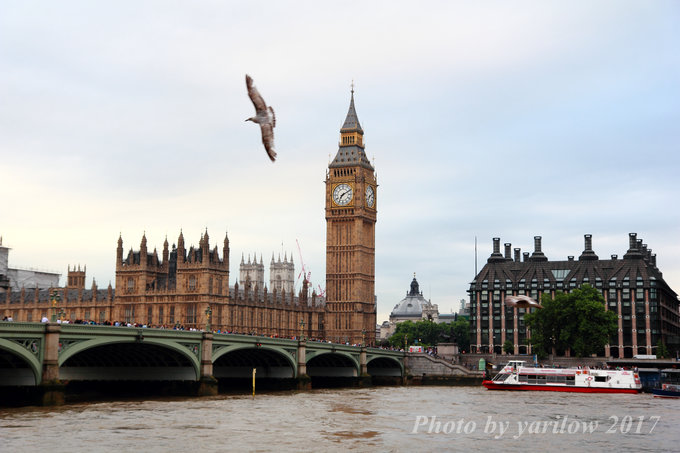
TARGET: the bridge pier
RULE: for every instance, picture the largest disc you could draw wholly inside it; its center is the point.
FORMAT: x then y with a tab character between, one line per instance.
364	379
52	390
304	382
207	385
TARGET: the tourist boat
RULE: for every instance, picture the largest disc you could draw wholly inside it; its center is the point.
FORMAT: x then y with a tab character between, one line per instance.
516	376
667	391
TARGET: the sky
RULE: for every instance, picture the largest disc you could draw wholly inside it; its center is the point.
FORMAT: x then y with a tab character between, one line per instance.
482	119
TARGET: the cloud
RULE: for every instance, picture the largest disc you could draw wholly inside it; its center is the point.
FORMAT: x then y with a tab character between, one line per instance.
496	120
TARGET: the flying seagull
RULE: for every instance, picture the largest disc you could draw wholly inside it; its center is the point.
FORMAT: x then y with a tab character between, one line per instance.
522	301
264	116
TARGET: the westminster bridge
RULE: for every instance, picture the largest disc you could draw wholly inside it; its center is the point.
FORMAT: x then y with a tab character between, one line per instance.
48	355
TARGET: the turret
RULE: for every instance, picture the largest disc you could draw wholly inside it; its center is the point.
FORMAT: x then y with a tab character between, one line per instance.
166	251
142	251
181	251
119	251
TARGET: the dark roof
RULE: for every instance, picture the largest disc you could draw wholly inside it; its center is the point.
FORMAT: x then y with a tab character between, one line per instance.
350	156
351	123
591	270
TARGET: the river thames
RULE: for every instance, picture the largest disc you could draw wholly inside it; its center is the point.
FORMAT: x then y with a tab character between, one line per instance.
367	419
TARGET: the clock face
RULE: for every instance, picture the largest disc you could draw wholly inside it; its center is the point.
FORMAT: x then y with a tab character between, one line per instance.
342	194
370	196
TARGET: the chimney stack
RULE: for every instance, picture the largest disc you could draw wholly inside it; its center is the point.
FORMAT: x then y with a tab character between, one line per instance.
635	245
538	254
588	253
496	255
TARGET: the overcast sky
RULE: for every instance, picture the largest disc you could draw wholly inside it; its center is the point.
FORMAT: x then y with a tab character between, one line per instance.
483	119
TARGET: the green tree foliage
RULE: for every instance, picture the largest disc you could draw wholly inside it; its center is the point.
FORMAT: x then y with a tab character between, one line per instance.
577	321
508	347
428	333
460	334
661	350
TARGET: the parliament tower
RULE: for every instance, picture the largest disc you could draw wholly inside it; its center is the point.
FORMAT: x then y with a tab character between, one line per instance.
350	238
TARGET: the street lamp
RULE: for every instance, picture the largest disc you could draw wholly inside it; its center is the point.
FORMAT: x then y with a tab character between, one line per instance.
55	298
208	315
302	328
363	337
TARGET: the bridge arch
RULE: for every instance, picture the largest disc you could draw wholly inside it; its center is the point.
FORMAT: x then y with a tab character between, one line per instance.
238	361
333	364
385	366
150	359
18	366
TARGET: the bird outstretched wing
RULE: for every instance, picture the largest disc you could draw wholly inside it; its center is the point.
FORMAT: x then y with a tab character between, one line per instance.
258	102
522	301
268	140
273	116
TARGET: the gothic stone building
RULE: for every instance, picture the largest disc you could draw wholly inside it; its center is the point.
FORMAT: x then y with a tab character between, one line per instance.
281	273
633	287
351	213
191	287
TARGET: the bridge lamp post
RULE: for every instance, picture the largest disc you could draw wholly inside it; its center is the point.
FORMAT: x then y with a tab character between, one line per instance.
363	337
55	298
61	314
302	328
208	315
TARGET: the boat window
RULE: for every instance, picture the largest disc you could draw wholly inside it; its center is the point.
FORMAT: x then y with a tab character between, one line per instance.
601	378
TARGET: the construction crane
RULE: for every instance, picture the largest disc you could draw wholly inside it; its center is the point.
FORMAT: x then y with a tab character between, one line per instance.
307	275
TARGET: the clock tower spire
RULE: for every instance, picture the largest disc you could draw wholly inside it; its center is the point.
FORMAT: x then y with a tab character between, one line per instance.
350	238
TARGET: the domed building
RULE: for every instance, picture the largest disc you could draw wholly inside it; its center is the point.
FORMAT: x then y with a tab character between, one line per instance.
414	307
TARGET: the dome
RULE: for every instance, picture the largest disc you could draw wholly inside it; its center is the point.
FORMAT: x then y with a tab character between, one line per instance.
412	305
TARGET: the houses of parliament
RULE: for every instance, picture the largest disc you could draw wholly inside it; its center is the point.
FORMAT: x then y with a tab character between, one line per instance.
189	286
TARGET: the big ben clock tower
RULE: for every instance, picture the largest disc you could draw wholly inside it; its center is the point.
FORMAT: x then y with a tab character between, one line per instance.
351	199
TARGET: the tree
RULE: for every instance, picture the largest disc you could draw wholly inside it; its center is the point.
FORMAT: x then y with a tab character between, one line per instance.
661	350
405	332
546	325
508	347
460	334
428	333
577	321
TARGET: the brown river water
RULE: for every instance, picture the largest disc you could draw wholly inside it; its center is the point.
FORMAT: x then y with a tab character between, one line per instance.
399	419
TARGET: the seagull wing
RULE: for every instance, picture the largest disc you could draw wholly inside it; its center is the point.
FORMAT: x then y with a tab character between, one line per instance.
258	102
522	301
268	140
511	301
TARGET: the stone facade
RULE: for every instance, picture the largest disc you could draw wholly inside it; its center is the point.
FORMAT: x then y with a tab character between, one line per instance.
251	273
184	287
282	274
351	213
